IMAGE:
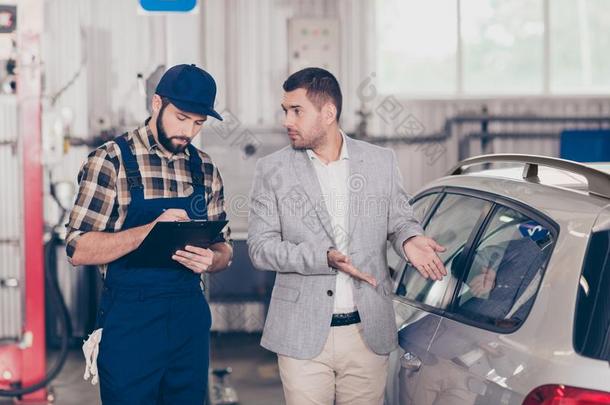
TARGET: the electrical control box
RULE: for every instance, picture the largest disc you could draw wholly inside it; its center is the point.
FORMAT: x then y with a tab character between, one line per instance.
313	42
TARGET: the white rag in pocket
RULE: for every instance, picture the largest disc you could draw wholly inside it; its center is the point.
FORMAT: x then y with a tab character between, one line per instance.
91	349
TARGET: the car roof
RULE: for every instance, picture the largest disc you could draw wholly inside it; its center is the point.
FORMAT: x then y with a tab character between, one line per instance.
601	166
548	175
560	194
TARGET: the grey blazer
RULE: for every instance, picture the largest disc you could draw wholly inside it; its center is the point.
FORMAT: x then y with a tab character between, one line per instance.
290	231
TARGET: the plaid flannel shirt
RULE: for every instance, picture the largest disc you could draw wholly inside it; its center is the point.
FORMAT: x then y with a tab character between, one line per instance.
103	195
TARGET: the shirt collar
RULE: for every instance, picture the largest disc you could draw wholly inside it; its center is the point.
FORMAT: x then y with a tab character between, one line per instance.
148	139
343	155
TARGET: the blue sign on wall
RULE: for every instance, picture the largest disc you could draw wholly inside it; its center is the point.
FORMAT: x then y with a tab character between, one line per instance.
168	5
585	145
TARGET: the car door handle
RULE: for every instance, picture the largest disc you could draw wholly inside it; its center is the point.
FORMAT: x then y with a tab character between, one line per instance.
410	362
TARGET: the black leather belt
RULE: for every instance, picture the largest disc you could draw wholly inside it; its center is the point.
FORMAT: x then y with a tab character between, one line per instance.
345	319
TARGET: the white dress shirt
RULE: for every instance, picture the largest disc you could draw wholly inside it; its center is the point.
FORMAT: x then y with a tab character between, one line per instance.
333	179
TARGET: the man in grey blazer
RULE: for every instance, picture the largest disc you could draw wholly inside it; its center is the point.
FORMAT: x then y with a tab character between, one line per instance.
321	211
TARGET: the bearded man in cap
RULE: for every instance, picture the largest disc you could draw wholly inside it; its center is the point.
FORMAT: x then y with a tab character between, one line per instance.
153	323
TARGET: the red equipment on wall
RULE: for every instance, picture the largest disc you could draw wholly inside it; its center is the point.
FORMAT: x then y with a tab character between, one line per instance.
23	363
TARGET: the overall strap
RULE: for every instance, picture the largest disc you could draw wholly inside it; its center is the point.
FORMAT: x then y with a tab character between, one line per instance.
195	167
130	163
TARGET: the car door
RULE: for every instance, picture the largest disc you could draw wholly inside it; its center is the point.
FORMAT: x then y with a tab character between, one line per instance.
470	360
418	301
422	207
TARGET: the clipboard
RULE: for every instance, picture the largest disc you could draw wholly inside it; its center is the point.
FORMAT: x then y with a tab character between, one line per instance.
157	249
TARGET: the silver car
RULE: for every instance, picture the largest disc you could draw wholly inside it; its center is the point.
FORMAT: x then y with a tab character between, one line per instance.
523	315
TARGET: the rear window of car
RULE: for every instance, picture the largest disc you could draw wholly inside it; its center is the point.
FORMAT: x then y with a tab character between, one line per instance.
505	269
592	317
495	258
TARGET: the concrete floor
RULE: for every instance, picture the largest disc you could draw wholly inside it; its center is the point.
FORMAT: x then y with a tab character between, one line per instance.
255	373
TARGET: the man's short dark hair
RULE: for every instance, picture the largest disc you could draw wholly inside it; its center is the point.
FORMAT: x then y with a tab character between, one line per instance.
320	84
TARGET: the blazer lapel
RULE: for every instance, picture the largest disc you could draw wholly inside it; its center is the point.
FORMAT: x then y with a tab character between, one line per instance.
356	183
306	173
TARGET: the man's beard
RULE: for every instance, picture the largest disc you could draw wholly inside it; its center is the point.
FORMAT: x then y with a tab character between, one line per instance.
166	140
315	141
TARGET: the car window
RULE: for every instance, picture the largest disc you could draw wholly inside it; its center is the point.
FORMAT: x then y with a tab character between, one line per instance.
420	208
422	205
505	270
450	225
591	324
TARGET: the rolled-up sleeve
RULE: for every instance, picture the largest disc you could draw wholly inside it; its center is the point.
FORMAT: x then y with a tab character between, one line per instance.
95	207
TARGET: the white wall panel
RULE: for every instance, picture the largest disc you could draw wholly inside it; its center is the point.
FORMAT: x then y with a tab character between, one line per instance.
243	44
115	43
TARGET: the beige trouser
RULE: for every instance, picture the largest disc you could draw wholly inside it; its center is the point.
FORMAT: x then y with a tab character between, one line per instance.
346	372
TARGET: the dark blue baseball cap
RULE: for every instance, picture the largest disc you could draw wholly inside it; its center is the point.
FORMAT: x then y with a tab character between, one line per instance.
190	89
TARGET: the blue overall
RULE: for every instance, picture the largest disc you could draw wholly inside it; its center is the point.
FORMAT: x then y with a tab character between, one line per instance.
156	321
